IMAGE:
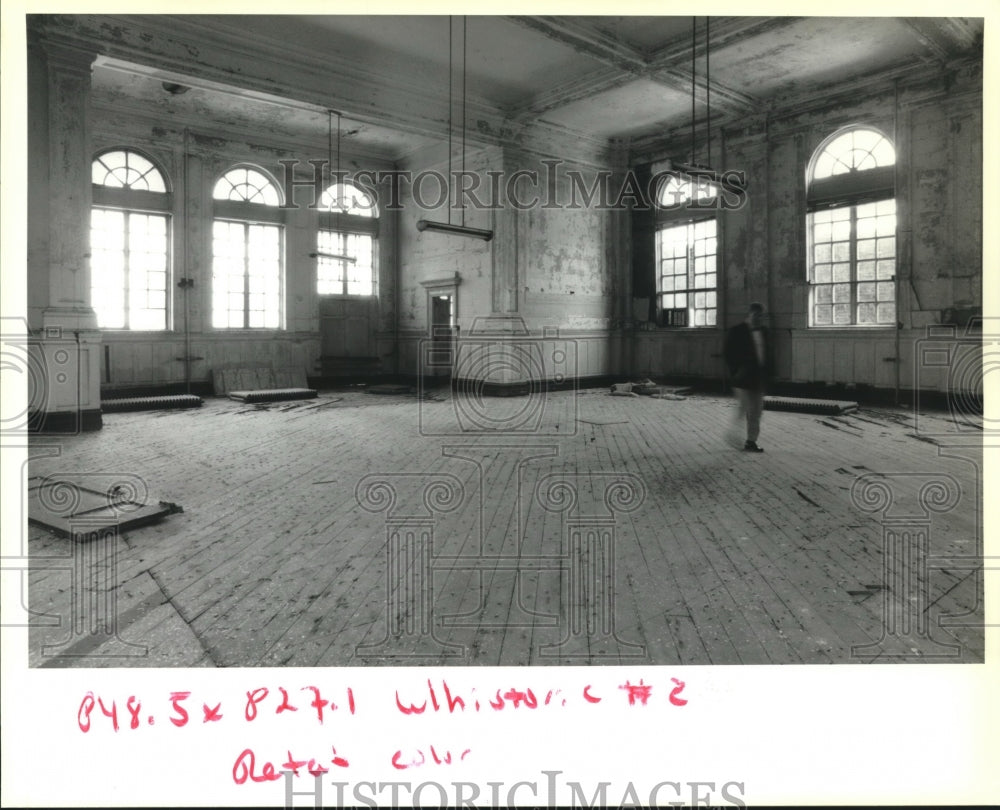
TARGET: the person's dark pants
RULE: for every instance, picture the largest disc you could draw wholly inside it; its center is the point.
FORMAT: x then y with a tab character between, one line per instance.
751	405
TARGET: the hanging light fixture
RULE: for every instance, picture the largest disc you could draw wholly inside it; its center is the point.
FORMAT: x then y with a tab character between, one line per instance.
695	170
447	227
342	257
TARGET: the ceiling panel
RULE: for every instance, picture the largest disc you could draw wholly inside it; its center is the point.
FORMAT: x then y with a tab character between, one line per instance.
636	108
814	51
601	77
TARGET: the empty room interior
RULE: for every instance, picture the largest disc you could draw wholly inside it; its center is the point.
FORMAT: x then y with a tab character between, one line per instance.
407	340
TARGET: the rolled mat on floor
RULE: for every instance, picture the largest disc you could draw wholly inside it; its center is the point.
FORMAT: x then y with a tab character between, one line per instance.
151	403
803	405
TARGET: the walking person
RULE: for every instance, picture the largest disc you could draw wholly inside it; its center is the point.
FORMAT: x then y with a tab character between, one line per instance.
745	354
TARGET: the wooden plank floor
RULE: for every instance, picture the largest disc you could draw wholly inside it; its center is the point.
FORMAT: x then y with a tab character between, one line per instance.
722	557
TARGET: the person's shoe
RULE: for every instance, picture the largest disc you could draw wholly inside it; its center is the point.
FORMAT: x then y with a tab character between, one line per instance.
752	447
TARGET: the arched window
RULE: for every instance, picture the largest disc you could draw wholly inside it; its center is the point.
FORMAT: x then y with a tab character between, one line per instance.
129	242
346	242
246	184
851	229
686	248
247	251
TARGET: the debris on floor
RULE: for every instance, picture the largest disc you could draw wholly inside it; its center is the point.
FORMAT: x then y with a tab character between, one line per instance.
274	394
646	388
803	405
84	506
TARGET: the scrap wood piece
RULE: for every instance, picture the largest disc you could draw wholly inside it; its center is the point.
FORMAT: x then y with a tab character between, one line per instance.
256	378
274	394
76	506
150	403
804	405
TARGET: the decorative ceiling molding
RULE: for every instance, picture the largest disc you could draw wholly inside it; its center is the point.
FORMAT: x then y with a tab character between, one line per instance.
624	64
943	37
588	40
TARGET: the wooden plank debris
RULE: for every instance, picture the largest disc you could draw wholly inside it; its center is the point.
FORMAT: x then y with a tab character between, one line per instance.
81	511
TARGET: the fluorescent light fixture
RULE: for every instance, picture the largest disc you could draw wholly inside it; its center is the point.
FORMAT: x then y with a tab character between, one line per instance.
456	230
320	254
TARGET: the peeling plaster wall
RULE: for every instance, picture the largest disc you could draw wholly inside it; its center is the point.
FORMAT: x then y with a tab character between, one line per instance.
548	267
938	133
566	262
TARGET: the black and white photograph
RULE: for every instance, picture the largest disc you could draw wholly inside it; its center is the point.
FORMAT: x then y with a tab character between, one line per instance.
617	345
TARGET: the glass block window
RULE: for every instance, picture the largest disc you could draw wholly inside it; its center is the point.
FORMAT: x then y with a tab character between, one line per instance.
344	263
686	257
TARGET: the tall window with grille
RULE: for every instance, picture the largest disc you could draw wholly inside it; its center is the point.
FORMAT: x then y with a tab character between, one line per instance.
247	252
851	231
346	242
129	242
686	250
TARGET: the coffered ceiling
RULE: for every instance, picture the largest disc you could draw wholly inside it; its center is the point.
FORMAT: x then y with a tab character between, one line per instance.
586	78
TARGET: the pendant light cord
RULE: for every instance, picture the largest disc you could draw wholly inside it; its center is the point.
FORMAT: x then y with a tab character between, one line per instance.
451	71
708	102
464	118
694	34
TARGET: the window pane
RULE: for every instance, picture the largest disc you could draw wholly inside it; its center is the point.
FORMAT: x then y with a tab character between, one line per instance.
866	313
823	315
824	294
823	253
885	291
841	314
866	228
842	272
866	292
885	268
885	225
841	293
823	274
841	251
841	231
887	247
866	271
886	208
866	249
823	232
